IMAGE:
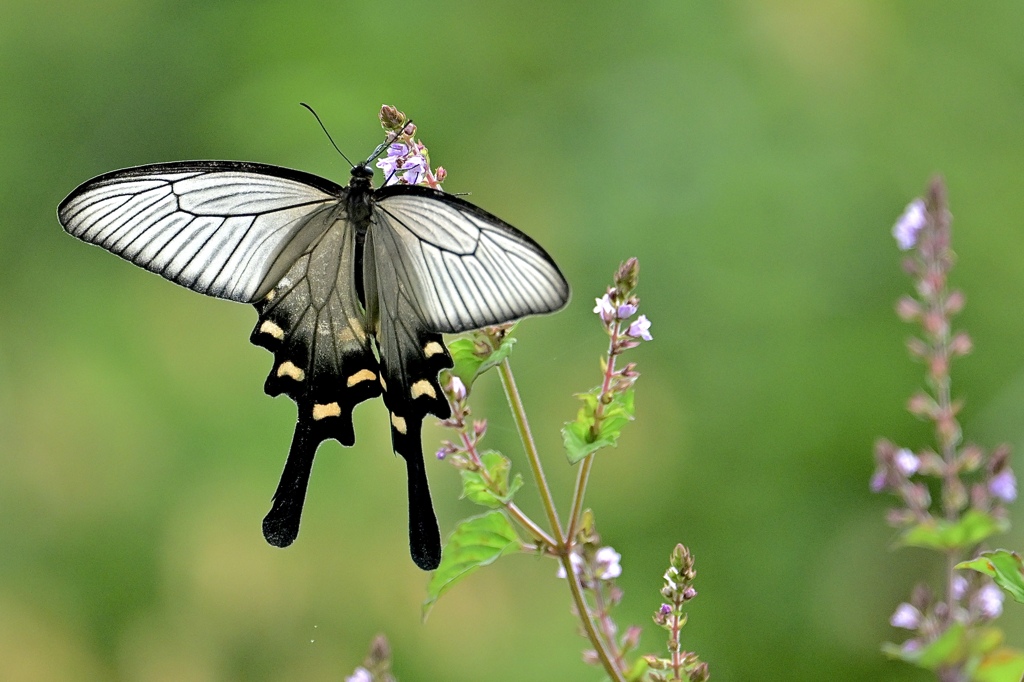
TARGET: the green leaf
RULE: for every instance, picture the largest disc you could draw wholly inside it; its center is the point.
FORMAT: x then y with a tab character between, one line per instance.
1005	567
973	527
578	435
475	542
638	670
977	649
497	467
469	364
1002	665
949	649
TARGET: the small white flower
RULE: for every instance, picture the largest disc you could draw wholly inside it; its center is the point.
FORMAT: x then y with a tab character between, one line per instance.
608	563
604	308
909	224
907	462
458	388
989	601
577	565
906	616
360	674
959	587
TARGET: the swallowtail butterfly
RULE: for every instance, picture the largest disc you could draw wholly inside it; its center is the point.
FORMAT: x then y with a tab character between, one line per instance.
353	285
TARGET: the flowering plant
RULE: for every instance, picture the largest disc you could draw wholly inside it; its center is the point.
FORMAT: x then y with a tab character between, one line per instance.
587	565
951	630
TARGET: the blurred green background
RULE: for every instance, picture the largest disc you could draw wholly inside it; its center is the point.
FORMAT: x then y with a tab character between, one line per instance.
752	153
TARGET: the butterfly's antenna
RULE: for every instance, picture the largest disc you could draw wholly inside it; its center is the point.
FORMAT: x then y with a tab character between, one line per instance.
324	128
391	137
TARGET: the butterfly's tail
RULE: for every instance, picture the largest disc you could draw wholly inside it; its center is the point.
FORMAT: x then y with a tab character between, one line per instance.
424	536
281	524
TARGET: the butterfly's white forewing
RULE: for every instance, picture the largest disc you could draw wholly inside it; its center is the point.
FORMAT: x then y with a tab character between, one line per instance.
220	228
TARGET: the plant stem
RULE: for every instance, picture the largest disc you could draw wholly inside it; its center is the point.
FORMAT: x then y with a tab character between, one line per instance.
519	414
587	619
577	496
583	475
515	404
530	525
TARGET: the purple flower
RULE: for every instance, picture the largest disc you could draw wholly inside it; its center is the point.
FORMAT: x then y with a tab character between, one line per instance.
414	169
392	162
906	462
608	563
665	609
878	480
640	329
604	308
989	601
626	311
906	616
909	224
1004	485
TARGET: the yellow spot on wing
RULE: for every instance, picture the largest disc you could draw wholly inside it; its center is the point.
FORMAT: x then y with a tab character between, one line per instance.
269	327
432	348
289	369
361	375
383	384
324	411
423	387
271	294
398	423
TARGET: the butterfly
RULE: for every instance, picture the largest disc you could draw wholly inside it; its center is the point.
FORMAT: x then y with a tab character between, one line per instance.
354	287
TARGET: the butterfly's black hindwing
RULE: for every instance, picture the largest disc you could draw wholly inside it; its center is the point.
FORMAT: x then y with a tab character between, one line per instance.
353	288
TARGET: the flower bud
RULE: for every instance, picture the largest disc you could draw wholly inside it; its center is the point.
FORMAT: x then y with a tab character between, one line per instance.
932	464
627	276
1000	459
934	323
971	457
938	366
908	309
917	496
701	673
917	347
391	118
961	344
631	639
655	663
955	496
955	302
921	405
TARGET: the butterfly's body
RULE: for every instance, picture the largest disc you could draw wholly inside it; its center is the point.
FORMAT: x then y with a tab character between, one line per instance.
353	286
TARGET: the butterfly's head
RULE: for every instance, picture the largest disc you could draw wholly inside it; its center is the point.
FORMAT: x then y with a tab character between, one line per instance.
362	172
